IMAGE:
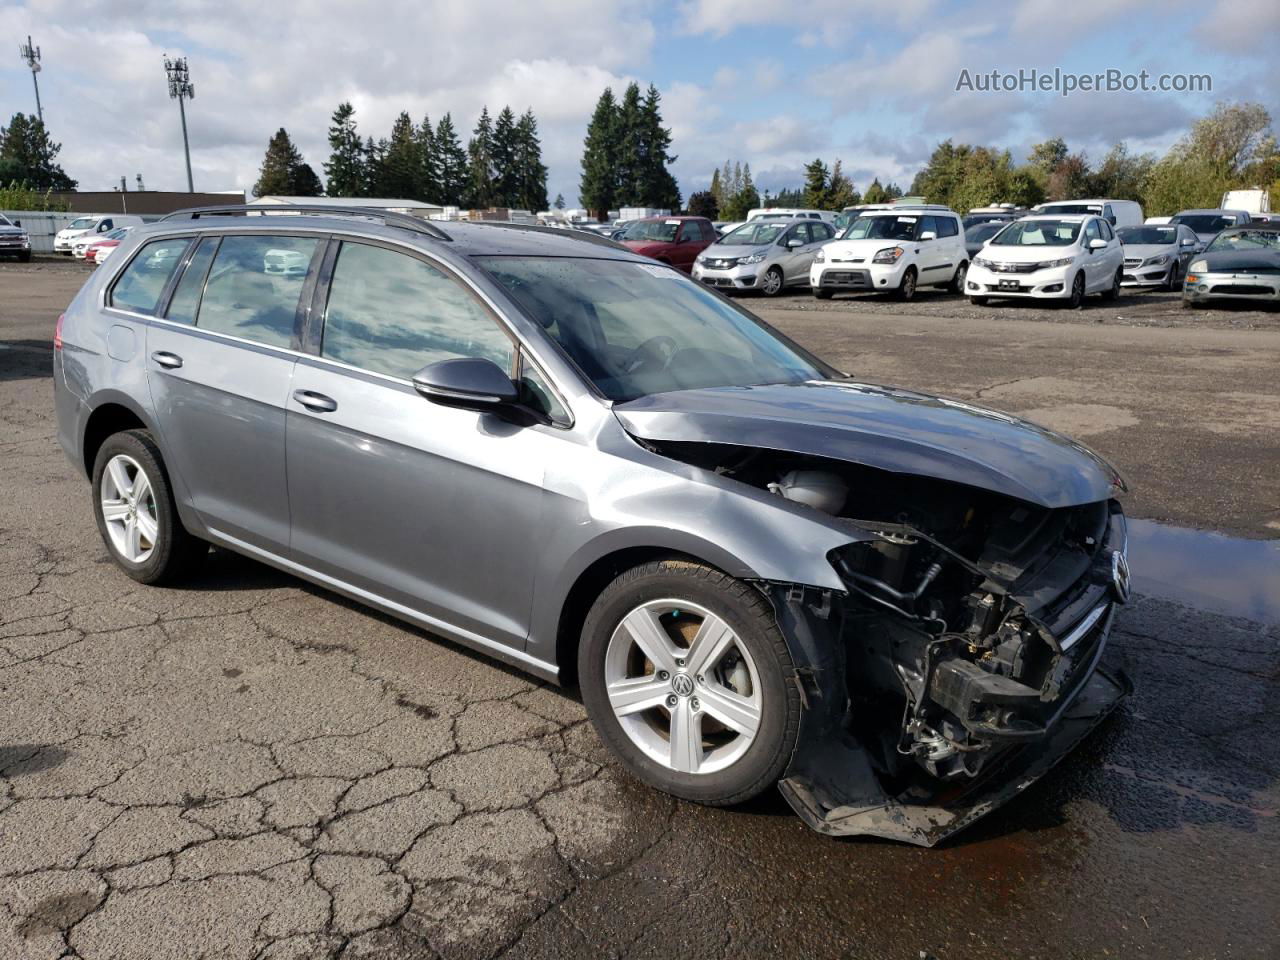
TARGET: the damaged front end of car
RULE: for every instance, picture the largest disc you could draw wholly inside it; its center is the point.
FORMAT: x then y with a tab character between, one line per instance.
962	659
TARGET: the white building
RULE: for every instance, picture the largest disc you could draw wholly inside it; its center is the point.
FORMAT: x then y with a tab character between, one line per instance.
414	208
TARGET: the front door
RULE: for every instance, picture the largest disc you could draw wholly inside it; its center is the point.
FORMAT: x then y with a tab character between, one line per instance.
432	508
219	366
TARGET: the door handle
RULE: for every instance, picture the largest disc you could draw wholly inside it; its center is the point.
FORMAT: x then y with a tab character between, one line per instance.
315	402
167	359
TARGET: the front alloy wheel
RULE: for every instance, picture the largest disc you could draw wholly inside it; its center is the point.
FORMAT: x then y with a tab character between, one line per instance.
689	681
772	283
681	685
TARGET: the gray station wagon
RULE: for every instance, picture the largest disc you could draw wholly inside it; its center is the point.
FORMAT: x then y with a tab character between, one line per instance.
540	445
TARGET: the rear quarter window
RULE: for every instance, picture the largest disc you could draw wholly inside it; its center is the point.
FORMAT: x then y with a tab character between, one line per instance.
142	283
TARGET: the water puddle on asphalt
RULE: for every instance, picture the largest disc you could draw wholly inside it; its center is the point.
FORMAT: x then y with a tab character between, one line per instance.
1240	578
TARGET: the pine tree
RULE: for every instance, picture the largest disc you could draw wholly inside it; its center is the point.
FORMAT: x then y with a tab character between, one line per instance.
375	155
875	193
531	173
280	168
401	168
816	181
28	156
345	168
428	162
506	175
451	161
598	187
631	150
703	204
481	192
657	185
559	204
840	190
304	182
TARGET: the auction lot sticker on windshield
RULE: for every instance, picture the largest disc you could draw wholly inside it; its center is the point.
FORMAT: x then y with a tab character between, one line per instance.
673	223
906	219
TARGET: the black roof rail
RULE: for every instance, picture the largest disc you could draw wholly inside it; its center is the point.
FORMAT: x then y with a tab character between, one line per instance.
391	219
559	231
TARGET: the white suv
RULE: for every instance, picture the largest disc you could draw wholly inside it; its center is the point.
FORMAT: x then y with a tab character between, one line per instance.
1049	257
894	251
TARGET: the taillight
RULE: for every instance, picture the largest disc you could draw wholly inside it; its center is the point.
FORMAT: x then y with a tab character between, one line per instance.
57	332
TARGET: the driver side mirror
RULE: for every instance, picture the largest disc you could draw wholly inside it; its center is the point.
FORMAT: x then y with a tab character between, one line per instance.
928	235
794	242
470	383
17	223
1097	244
1188	242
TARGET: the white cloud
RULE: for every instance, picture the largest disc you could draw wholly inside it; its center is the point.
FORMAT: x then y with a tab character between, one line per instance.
257	67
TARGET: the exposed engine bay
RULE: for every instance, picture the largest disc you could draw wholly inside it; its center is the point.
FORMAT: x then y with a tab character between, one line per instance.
971	618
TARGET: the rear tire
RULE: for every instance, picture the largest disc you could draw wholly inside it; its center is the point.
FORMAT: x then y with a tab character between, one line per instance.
672	600
957	282
137	517
1113	292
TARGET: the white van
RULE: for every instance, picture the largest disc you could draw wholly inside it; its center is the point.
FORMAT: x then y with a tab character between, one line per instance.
1118	213
93	223
789	213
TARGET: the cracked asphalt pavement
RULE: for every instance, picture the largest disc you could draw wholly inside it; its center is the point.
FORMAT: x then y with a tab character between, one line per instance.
249	767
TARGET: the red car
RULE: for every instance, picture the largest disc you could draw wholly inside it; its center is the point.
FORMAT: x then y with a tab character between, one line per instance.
673	240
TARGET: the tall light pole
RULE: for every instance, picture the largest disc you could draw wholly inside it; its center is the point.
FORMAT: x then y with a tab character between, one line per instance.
31	54
181	88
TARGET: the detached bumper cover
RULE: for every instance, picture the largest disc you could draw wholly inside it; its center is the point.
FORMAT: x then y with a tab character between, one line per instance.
833	788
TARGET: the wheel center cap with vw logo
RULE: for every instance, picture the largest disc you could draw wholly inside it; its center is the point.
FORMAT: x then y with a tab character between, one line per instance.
1120	579
682	684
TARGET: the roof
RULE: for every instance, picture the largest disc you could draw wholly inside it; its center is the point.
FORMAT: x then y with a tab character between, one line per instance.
1059	216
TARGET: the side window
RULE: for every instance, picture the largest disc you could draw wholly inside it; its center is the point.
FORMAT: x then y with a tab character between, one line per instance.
104	226
927	225
142	283
1091	231
691	232
947	226
1106	230
254	286
186	298
392	313
1107	212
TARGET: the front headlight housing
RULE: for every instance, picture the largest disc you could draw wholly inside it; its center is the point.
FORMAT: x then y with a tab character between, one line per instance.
1051	264
983	262
887	255
1156	261
754	258
820	256
1200	266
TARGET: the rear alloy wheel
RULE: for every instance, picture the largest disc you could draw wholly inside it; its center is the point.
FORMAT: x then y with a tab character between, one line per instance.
689	682
907	288
135	511
1077	292
771	285
1113	292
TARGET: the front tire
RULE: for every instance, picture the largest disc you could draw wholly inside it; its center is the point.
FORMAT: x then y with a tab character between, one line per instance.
137	518
1076	300
907	288
820	294
689	682
773	282
978	301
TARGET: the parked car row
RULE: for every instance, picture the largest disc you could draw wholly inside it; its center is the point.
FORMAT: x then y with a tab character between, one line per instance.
94	225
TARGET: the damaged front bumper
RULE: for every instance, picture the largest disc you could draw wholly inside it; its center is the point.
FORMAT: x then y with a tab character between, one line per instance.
832	782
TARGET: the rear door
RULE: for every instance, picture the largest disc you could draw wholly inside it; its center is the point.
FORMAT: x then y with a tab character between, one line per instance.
931	256
220	364
688	245
431	508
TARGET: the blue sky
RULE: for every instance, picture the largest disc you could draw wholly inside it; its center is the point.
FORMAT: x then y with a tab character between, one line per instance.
772	84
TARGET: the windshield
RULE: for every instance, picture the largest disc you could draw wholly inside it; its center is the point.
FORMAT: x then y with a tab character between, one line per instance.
1038	233
4	221
983	231
754	234
975	219
1071	208
116	234
1162	235
882	228
663	231
1245	240
1205	222
636	328
82	223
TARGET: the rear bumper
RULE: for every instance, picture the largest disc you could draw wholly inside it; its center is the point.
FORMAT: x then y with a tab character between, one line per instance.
833	788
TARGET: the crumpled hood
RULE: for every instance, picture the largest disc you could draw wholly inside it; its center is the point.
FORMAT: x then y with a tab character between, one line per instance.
1241	261
886	428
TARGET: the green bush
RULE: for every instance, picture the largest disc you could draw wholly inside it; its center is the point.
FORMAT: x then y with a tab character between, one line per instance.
19	196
